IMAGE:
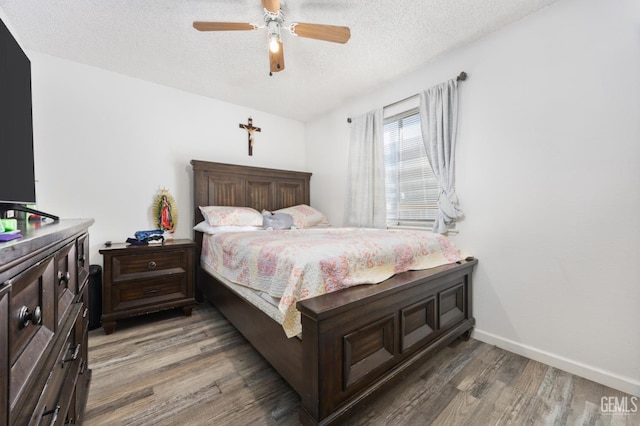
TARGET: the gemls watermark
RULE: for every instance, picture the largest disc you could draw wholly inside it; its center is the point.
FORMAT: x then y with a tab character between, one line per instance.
619	405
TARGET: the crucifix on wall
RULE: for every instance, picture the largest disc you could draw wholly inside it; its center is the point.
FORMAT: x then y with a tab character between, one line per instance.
250	130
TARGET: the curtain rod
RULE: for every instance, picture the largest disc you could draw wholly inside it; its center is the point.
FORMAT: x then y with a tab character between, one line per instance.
461	77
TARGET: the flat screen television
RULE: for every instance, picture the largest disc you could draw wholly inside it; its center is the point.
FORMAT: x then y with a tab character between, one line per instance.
17	175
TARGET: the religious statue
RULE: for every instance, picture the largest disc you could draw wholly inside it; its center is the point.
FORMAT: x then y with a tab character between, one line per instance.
165	212
166	221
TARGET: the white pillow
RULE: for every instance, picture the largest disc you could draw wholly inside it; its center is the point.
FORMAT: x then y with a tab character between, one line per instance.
304	216
208	229
227	215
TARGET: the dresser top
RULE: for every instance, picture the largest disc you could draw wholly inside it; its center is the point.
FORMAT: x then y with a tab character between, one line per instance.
38	236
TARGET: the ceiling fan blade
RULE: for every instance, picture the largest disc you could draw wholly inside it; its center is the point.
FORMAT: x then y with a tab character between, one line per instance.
223	26
331	33
272	6
276	60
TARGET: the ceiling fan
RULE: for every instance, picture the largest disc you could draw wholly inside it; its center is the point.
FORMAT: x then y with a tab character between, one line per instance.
274	22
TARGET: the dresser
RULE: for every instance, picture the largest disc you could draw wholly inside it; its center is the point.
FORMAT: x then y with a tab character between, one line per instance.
139	279
44	374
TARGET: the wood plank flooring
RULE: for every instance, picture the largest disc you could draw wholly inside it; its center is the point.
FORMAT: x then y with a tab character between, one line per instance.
168	369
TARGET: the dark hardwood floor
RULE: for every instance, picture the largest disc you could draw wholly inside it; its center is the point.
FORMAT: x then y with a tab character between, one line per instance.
168	369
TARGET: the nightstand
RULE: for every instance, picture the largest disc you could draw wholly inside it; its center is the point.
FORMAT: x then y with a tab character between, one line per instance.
146	278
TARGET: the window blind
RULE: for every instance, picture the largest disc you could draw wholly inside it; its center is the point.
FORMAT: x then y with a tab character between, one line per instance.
412	189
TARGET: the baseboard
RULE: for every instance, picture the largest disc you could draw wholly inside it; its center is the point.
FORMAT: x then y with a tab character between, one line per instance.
604	377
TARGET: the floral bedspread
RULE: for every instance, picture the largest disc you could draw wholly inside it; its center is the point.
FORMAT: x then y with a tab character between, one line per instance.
298	264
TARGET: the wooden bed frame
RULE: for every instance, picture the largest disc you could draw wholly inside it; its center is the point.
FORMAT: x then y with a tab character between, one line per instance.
355	342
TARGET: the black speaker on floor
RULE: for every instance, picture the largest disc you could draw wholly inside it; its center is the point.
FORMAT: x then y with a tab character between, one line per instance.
95	296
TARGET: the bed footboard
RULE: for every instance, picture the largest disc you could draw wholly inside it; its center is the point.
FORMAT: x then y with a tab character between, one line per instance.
357	343
264	334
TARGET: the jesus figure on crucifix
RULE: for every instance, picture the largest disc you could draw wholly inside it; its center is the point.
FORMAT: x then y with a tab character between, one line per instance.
250	130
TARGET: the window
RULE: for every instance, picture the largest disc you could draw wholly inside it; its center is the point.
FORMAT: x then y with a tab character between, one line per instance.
412	188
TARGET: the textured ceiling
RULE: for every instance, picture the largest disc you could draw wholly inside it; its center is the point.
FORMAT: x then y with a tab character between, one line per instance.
154	40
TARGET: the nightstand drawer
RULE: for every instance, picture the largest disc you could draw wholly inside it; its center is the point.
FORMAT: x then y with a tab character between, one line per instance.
125	296
145	265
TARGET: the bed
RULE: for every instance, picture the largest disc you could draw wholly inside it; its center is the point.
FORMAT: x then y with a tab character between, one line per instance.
355	342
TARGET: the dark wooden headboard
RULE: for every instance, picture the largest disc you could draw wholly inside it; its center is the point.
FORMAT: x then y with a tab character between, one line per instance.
219	184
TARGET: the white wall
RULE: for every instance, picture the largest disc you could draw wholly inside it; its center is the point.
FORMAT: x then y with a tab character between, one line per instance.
549	178
105	144
548	171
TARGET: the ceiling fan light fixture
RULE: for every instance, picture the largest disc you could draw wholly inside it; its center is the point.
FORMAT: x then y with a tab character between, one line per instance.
274	43
274	35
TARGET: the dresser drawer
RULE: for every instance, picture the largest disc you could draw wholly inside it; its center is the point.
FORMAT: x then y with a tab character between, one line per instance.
83	259
82	324
146	265
66	279
55	399
31	321
4	343
125	296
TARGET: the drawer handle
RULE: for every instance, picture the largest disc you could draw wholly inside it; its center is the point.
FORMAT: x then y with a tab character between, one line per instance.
84	314
25	316
152	265
64	277
153	290
55	412
83	366
81	260
76	352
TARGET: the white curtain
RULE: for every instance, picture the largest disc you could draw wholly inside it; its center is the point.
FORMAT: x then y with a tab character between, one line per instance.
439	118
365	204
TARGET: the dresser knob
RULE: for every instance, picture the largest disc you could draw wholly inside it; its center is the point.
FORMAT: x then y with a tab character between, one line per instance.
152	265
64	278
25	316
